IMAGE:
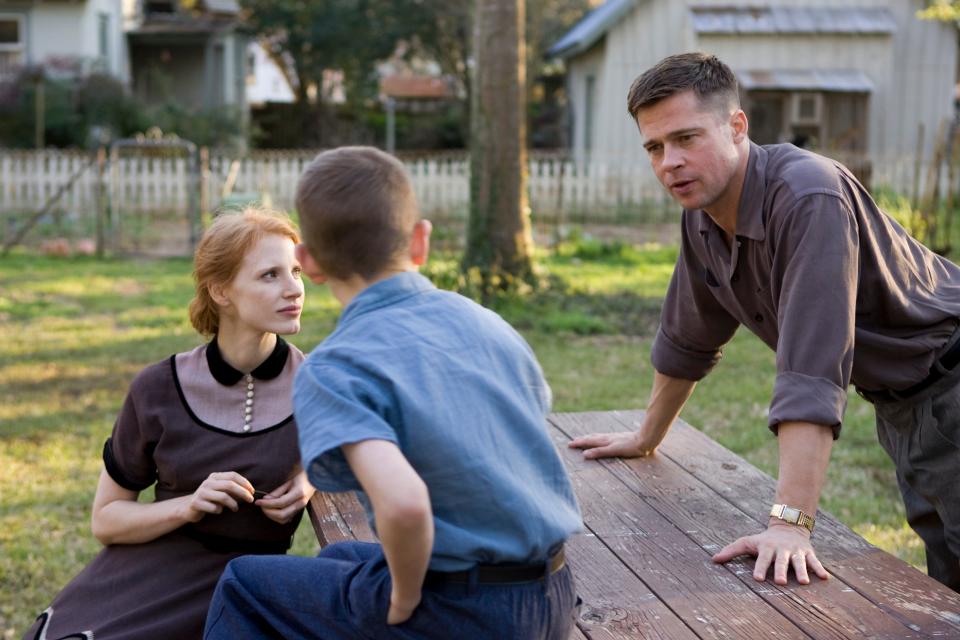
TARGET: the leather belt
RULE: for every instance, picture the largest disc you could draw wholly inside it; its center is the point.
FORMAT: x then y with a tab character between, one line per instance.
948	360
499	573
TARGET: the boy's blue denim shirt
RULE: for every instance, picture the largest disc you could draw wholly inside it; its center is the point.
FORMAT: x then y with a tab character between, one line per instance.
463	397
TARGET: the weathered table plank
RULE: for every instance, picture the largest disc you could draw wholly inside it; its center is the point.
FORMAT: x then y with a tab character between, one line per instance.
677	570
895	600
643	562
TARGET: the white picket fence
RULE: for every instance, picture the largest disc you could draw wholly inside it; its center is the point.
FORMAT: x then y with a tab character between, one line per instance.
558	186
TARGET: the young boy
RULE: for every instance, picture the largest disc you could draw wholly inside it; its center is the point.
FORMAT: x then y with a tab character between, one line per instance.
433	409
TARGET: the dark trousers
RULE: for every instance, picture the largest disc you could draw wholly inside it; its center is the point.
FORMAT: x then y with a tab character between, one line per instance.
922	436
344	593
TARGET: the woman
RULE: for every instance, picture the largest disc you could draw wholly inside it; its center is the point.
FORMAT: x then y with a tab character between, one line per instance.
213	430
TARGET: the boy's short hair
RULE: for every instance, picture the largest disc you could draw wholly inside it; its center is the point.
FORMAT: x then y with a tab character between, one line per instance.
357	211
713	82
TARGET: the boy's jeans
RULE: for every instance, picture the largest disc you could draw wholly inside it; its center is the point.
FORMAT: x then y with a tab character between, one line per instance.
344	593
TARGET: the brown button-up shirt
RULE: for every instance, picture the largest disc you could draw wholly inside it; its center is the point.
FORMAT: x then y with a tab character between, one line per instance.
819	273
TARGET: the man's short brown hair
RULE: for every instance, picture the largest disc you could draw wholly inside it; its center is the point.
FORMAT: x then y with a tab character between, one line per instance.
710	79
357	211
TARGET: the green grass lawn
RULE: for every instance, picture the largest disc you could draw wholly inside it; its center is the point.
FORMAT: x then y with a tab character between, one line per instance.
75	331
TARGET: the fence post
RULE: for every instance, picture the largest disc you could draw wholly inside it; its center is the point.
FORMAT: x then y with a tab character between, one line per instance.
101	206
194	180
204	180
917	165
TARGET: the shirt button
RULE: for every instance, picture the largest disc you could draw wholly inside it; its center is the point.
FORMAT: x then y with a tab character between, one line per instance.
736	277
758	317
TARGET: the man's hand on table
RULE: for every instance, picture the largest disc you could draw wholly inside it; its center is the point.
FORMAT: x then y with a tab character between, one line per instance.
783	545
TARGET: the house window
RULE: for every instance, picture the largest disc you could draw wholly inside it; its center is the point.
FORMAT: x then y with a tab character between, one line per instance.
103	39
825	121
251	67
218	96
160	6
11	43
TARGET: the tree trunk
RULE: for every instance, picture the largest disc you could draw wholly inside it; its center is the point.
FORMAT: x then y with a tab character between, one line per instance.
499	241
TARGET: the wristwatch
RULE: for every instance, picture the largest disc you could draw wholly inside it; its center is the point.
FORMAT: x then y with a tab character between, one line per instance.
793	516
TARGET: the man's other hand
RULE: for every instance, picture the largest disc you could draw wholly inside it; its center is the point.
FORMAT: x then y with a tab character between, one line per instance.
785	546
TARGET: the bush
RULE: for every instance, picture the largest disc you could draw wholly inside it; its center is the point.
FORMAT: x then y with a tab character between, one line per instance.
95	109
898	207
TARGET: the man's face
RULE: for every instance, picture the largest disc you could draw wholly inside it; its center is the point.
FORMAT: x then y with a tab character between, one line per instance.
693	148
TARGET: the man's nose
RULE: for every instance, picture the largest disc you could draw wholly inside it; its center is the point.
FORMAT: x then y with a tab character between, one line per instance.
672	157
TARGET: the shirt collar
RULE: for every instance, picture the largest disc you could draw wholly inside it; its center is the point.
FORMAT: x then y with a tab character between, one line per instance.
750	208
386	292
269	369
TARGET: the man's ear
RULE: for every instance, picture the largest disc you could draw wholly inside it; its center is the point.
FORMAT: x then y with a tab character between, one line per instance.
738	122
420	242
309	265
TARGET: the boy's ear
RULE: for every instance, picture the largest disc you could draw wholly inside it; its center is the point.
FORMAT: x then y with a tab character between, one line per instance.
420	242
309	265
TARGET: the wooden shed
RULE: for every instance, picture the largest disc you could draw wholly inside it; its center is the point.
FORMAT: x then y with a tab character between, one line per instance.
852	78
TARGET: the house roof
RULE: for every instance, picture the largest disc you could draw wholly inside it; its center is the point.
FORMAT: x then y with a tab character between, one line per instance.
402	86
837	80
799	20
222	6
590	28
736	19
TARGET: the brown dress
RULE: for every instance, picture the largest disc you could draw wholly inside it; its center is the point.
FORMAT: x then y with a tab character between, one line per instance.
164	437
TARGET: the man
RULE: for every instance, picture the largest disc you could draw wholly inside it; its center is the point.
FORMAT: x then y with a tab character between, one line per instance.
790	245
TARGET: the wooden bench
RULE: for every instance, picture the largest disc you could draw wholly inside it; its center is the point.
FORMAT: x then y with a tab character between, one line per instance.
651	525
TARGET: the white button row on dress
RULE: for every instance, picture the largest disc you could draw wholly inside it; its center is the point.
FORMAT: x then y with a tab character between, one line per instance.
248	408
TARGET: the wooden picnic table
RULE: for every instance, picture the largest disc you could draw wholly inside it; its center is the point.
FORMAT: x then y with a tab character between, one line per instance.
643	564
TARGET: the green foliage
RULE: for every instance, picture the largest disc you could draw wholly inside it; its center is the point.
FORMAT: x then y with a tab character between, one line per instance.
347	35
942	10
898	207
219	127
97	108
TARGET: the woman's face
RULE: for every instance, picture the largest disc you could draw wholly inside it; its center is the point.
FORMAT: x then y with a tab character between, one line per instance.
267	292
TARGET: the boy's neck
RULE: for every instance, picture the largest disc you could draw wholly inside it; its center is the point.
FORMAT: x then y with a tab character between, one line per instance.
346	290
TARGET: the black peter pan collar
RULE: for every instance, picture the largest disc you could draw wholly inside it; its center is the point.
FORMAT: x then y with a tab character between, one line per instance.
228	376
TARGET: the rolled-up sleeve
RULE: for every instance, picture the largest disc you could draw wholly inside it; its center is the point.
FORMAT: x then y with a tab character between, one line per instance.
694	326
334	407
816	262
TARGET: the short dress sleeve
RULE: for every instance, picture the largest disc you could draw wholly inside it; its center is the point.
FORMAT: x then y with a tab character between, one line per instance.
128	452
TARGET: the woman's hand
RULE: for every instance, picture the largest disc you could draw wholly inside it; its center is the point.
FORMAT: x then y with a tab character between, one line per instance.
284	502
220	489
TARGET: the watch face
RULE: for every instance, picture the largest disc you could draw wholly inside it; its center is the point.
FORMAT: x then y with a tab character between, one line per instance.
790	514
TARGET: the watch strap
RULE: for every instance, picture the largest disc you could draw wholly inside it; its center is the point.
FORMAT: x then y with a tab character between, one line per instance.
793	516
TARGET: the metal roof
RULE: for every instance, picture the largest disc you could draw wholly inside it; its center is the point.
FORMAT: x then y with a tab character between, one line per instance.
837	80
222	6
769	20
590	28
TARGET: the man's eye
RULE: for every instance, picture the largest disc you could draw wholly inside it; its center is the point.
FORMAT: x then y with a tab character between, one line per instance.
270	274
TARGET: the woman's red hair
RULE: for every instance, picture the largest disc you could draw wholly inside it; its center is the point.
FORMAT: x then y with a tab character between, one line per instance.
221	252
